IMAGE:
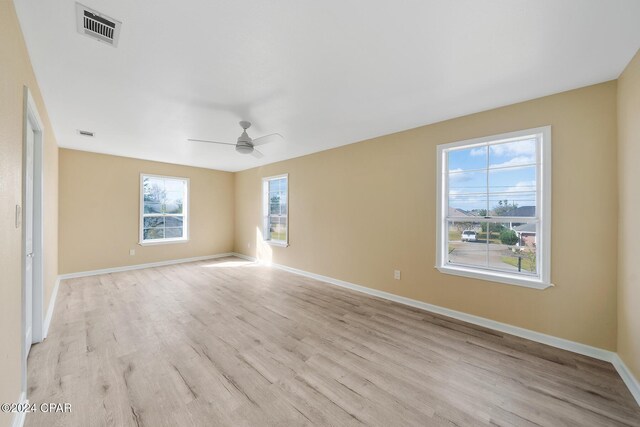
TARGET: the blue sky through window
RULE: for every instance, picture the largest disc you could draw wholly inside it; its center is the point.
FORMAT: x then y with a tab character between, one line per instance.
481	177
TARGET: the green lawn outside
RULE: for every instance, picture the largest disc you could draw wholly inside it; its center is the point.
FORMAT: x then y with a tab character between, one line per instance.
275	235
527	264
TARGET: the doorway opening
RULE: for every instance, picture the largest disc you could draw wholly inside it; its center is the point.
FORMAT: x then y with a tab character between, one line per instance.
32	231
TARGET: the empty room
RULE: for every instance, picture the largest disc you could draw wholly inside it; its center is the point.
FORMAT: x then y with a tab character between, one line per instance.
327	213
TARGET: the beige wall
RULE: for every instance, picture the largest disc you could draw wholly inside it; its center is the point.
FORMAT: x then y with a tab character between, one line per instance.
629	213
99	212
360	211
15	73
356	213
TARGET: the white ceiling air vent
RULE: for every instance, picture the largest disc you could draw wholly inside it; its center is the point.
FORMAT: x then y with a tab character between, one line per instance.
97	25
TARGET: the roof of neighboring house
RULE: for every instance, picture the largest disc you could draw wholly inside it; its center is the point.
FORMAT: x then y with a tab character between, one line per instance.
521	211
457	212
526	228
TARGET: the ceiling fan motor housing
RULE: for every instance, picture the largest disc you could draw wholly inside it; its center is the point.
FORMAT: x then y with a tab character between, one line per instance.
244	147
244	138
244	144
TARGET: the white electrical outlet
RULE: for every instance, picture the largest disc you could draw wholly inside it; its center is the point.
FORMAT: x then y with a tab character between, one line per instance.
396	274
132	251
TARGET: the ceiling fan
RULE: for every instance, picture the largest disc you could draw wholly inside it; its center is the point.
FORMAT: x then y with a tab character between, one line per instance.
246	144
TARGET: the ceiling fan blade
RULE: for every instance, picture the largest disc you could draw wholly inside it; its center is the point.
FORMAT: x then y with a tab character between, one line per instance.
255	153
267	138
213	142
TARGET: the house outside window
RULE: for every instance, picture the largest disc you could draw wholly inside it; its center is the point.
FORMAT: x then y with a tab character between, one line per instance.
163	209
275	210
494	208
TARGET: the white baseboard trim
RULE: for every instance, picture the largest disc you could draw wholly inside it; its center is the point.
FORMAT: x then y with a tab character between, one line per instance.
52	303
19	417
564	344
141	266
632	383
251	258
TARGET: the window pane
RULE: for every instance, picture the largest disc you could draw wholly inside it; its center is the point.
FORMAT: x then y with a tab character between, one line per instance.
163	196
467	159
153	222
513	191
465	244
153	189
468	182
173	232
173	202
174	197
152	207
173	208
278	228
512	153
488	233
153	233
467	205
468	192
173	221
513	247
174	185
275	206
273	194
274	203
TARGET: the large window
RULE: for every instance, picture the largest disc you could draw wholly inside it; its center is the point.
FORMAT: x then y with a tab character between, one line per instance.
164	206
494	208
275	209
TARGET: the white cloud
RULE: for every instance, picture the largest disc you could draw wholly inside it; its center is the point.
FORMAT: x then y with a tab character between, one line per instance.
515	161
523	186
459	176
481	151
526	147
517	148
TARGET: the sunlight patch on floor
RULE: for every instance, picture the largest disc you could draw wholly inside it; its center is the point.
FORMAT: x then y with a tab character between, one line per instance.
227	264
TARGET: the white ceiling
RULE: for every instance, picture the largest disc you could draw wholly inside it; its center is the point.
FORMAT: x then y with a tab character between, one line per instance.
322	73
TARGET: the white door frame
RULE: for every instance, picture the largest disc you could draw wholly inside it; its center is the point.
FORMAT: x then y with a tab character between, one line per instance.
30	114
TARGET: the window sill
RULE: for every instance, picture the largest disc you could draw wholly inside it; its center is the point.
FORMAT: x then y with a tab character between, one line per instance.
163	242
495	277
272	243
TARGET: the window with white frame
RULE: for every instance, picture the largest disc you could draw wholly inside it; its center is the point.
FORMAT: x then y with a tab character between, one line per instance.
163	209
494	208
275	209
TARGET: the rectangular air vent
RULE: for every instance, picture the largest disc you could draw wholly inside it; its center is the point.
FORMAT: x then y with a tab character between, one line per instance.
97	25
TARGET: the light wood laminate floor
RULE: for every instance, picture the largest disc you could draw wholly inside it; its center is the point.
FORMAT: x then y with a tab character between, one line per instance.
229	342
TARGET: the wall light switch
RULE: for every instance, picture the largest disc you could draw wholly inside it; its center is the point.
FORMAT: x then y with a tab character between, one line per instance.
132	251
18	216
396	274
